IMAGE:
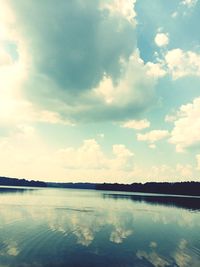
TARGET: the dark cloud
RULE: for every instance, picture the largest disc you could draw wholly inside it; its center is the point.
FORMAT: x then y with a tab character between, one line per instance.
73	46
74	42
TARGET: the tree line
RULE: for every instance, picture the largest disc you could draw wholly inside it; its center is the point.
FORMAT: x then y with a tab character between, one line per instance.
176	188
21	182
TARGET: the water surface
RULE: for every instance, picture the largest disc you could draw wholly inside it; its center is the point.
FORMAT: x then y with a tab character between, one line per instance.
66	227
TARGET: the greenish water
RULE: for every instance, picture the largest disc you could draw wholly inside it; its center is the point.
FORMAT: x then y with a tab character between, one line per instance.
65	227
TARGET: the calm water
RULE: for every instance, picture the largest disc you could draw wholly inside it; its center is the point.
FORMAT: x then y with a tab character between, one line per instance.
61	227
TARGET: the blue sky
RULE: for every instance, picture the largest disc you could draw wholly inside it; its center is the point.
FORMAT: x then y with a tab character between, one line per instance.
100	91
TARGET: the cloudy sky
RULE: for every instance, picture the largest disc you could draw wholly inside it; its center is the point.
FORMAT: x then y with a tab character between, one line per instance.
100	91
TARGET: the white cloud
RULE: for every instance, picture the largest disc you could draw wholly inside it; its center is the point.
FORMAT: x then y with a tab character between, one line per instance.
124	8
155	69
176	62
153	136
90	156
123	158
181	63
185	133
130	89
121	151
136	124
161	39
31	157
189	3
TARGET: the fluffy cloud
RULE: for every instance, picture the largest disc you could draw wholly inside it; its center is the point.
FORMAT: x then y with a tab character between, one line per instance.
90	156
123	158
136	124
176	62
121	151
155	69
90	163
153	136
126	9
30	156
161	39
185	133
181	63
80	57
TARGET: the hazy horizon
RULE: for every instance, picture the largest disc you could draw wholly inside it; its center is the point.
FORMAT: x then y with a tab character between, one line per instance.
100	91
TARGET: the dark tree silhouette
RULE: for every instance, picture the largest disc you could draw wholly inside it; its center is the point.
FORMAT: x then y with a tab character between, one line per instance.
180	188
21	182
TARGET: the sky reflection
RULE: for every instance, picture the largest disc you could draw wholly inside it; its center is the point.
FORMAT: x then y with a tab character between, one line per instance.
62	226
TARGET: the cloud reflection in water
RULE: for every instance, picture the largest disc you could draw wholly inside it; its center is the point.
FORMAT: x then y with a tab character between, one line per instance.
66	225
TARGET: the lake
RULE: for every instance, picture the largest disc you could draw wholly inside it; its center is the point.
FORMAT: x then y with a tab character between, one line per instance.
66	227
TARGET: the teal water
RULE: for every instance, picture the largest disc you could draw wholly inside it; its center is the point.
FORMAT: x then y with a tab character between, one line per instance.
66	227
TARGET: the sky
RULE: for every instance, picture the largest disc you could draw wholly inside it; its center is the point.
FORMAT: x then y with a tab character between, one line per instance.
100	91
